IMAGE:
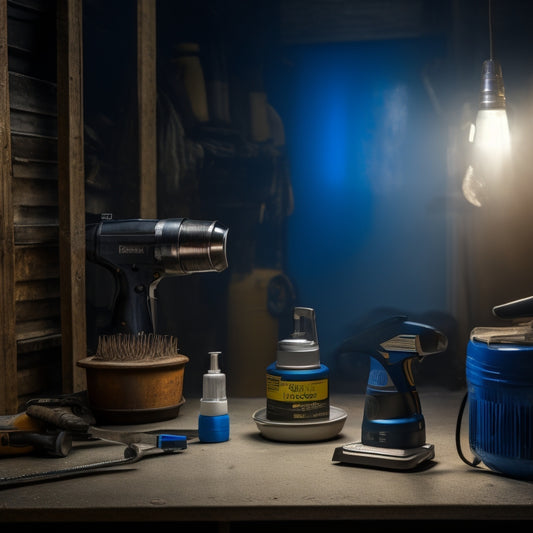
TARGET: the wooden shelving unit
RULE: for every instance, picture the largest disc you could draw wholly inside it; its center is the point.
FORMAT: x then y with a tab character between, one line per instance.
42	190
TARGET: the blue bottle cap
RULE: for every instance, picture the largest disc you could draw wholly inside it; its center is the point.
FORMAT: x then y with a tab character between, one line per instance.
213	428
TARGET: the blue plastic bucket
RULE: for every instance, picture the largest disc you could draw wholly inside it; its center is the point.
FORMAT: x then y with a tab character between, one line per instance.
500	396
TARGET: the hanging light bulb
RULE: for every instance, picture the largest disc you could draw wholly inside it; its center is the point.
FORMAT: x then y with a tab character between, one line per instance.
491	145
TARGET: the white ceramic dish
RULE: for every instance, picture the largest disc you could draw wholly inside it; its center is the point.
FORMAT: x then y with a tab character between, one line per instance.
312	431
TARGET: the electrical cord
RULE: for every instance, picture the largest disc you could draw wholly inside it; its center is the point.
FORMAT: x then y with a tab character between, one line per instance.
475	462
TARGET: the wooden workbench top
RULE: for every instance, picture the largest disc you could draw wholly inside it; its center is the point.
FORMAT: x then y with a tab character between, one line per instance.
250	478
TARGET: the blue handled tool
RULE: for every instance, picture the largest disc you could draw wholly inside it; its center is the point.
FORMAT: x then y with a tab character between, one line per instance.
64	418
164	441
137	443
393	433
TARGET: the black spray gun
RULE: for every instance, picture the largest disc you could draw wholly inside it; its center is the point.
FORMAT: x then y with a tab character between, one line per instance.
141	252
393	433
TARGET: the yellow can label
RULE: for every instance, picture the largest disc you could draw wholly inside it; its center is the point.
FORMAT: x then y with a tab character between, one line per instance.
296	391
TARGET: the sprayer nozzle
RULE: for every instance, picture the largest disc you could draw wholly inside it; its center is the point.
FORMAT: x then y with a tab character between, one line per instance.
214	383
213	366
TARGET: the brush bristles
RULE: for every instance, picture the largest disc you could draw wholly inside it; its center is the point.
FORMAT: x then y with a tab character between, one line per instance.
131	347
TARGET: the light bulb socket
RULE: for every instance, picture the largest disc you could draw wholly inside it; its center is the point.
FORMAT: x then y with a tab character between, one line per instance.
492	90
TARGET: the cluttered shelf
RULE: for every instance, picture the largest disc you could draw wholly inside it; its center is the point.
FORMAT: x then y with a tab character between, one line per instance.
252	477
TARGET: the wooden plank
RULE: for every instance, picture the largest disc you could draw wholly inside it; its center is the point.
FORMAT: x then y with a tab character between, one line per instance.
22	24
36	290
36	345
23	122
146	95
34	169
32	147
30	380
31	38
39	371
71	182
315	21
8	346
36	263
37	234
35	329
34	215
37	310
35	193
32	95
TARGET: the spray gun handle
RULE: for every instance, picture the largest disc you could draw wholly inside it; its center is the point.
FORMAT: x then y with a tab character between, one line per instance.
125	249
135	303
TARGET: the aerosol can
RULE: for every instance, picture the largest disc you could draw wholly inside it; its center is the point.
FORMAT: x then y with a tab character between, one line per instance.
393	433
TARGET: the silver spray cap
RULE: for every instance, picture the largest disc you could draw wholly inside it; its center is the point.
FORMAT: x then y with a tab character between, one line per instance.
214	401
300	351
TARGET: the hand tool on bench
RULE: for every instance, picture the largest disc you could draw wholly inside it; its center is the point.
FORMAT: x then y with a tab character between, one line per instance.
21	434
137	443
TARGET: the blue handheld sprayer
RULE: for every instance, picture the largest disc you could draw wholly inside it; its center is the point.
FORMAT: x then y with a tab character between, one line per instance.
393	433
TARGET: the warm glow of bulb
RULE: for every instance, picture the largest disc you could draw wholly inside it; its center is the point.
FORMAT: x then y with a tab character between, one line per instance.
471	133
490	161
491	138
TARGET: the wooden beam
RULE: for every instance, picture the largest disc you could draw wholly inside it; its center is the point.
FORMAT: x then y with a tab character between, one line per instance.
8	344
71	186
147	101
334	21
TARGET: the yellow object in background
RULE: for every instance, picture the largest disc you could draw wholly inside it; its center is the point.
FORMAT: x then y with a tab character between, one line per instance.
190	72
252	333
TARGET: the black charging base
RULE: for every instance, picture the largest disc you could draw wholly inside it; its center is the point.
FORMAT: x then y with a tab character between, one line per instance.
361	454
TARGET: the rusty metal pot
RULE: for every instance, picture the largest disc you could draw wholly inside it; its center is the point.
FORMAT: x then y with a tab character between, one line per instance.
135	392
